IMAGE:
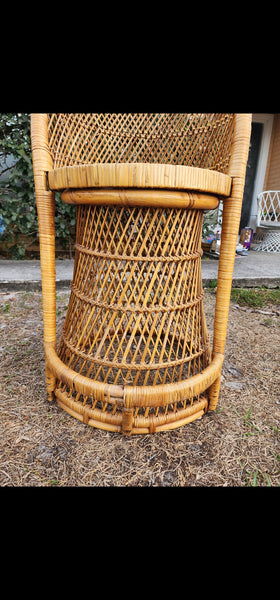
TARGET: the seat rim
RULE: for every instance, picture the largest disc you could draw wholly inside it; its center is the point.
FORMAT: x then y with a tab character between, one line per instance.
140	175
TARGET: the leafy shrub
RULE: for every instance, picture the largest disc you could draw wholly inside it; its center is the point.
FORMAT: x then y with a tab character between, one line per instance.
211	220
17	194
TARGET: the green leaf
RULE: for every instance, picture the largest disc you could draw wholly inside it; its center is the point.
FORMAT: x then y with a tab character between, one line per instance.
248	413
255	478
268	480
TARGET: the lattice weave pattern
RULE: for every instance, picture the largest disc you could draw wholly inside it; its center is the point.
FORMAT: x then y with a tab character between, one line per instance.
270	242
199	139
269	209
135	315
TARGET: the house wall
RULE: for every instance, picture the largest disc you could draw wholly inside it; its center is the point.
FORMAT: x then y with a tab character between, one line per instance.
272	175
267	119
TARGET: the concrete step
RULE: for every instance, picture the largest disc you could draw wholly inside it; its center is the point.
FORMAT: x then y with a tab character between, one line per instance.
255	269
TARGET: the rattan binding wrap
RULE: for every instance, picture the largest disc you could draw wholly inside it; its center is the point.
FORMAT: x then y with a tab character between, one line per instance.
134	355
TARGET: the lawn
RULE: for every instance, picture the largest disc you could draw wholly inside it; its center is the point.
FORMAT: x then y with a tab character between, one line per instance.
237	445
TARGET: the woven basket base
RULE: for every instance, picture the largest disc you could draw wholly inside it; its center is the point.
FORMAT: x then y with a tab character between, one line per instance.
135	329
133	421
131	409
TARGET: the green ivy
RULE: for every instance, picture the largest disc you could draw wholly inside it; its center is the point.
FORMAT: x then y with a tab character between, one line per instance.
17	194
211	220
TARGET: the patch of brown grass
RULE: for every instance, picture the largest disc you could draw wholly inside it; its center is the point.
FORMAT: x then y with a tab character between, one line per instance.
238	445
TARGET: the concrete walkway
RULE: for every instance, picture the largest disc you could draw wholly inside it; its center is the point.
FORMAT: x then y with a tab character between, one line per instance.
253	270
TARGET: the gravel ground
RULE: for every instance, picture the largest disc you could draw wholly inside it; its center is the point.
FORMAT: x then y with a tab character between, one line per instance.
238	445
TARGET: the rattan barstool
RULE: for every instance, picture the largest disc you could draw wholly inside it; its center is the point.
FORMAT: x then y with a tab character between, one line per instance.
134	354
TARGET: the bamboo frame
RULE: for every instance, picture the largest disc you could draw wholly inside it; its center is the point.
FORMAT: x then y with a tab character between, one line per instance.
136	197
171	404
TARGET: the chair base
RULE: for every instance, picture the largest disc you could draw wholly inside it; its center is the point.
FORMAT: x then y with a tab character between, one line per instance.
134	353
132	410
127	422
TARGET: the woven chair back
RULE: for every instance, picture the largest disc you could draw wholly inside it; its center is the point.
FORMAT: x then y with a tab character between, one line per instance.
193	139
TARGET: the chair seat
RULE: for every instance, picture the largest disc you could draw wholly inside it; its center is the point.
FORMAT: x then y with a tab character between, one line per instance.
140	175
270	225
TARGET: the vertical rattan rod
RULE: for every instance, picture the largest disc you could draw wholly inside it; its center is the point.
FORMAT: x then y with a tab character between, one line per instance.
45	200
230	226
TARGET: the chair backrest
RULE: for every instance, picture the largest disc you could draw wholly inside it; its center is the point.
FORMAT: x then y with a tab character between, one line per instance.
269	209
194	139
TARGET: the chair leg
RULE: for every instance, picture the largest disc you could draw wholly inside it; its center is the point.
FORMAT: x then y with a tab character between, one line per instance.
50	383
230	226
47	258
213	393
45	199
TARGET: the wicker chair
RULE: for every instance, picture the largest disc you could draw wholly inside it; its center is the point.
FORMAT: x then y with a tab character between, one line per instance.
268	221
134	355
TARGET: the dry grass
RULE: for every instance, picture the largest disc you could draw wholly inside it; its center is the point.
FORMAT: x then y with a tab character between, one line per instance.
238	445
